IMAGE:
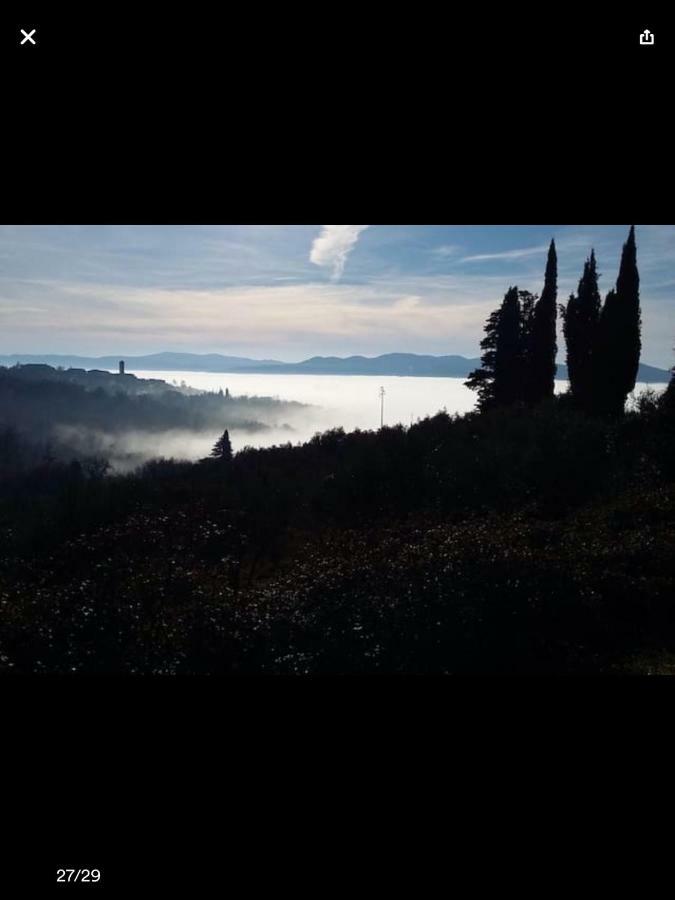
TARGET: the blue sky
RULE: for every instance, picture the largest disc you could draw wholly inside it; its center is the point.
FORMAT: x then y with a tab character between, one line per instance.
292	291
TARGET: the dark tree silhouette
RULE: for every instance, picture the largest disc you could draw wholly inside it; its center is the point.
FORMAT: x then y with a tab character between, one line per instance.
617	356
222	449
498	381
528	303
668	399
519	348
509	351
541	363
482	380
580	326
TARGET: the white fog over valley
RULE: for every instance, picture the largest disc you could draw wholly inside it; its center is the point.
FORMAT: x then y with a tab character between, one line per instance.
347	401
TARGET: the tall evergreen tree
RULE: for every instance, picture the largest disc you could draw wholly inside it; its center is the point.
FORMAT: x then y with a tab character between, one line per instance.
580	326
499	379
528	304
482	380
222	449
508	352
542	349
618	347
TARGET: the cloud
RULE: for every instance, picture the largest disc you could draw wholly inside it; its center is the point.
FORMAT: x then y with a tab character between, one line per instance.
507	254
332	247
112	318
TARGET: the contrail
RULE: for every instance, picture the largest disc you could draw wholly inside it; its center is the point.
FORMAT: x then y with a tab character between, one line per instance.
332	247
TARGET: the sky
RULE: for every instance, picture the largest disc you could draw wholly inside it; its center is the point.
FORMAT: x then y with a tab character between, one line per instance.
289	292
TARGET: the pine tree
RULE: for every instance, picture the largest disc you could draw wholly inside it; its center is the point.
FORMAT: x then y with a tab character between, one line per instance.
222	449
542	350
580	326
618	347
482	380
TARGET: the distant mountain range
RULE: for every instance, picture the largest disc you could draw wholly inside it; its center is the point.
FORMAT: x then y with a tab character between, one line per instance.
410	364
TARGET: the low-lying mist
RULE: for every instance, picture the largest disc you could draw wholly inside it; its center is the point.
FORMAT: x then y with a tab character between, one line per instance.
128	422
66	414
126	450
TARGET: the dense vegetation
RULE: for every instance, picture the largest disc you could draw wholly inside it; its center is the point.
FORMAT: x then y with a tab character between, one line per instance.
509	541
518	364
603	341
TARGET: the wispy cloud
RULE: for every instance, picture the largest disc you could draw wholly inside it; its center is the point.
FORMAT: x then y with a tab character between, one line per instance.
332	247
507	254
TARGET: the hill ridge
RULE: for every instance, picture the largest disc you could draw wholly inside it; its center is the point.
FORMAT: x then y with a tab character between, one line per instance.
390	364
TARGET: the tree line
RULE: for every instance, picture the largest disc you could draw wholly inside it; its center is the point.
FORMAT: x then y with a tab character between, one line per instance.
518	363
36	400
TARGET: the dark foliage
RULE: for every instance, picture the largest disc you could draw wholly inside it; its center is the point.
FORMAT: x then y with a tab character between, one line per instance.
222	449
509	351
618	338
669	397
518	364
482	379
542	348
580	325
603	342
499	379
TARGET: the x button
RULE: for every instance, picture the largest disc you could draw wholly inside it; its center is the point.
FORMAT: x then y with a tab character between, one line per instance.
28	36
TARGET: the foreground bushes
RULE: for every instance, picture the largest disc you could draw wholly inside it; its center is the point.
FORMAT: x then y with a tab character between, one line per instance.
505	594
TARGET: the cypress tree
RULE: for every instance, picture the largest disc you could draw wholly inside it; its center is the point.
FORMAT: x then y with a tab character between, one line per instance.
541	363
509	351
580	326
528	304
619	344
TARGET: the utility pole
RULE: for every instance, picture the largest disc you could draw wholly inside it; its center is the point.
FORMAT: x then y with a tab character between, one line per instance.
382	393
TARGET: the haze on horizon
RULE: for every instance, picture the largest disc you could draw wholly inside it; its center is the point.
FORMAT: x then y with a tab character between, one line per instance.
289	292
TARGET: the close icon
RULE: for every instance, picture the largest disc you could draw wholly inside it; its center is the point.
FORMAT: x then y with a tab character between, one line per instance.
28	36
647	37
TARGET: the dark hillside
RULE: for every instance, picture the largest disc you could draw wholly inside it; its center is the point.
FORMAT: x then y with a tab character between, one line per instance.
513	542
